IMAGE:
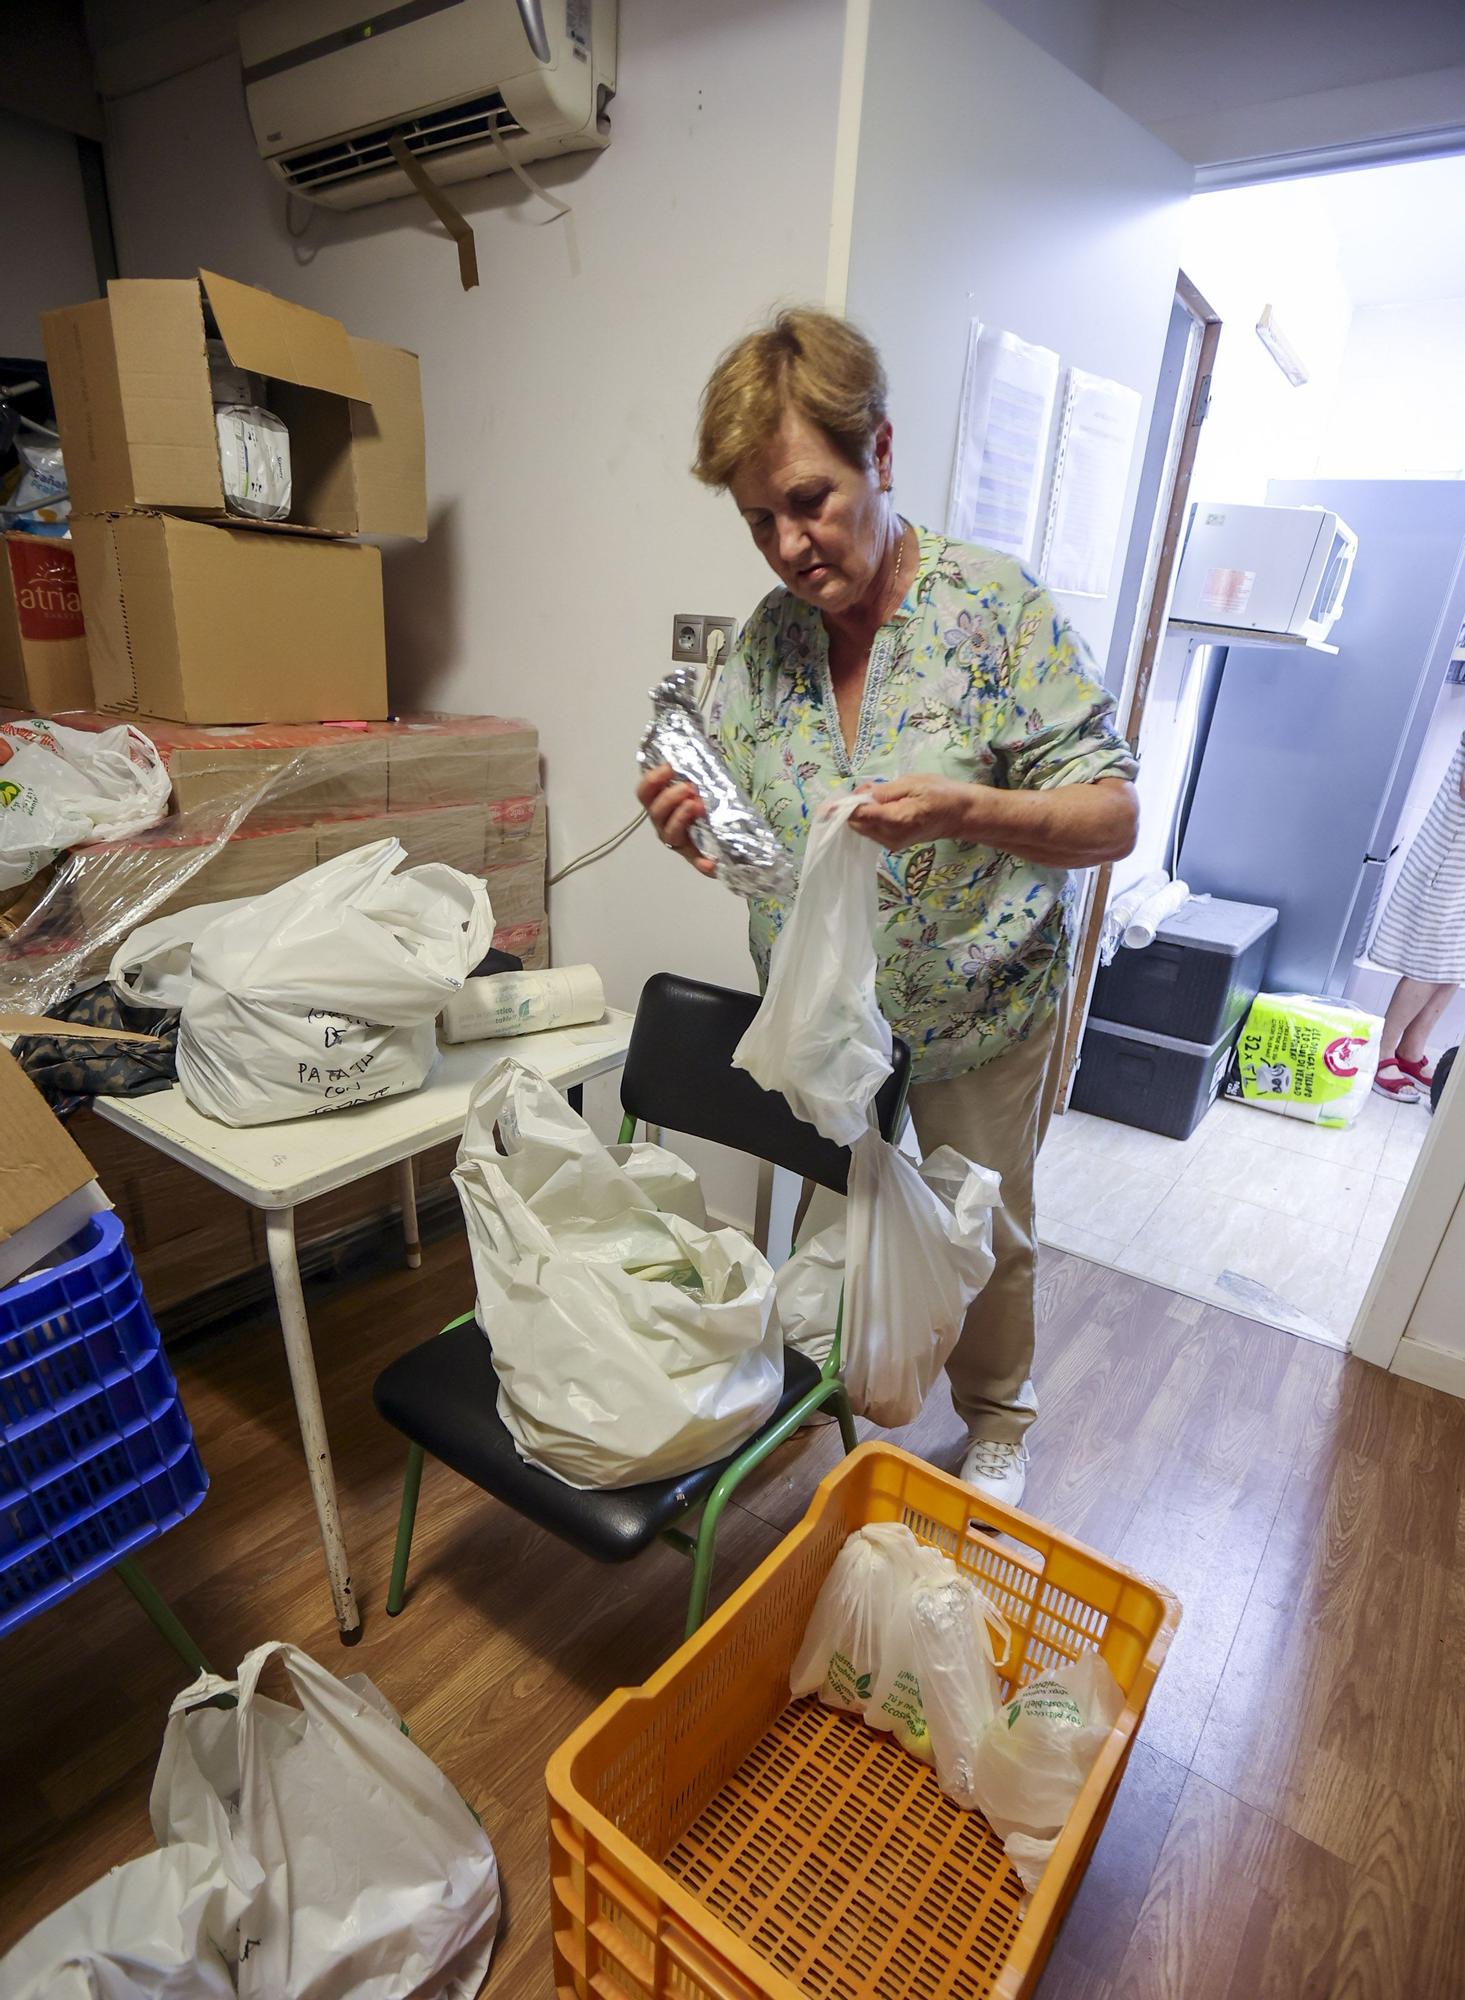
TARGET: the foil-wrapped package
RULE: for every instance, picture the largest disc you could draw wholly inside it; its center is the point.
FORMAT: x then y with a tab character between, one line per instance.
748	853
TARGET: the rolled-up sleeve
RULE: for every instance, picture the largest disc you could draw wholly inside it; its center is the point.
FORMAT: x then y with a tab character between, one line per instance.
1056	724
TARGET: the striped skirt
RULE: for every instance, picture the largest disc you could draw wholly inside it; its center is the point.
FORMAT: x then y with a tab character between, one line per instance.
1421	931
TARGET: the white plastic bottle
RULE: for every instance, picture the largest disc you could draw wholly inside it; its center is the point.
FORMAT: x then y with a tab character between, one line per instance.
523	1003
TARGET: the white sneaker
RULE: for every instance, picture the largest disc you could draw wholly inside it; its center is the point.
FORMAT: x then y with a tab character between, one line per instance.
1000	1471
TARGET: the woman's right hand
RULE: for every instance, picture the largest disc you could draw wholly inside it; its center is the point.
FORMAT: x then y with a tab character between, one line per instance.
674	806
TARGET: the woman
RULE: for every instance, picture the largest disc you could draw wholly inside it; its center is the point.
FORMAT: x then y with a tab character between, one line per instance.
939	681
1421	935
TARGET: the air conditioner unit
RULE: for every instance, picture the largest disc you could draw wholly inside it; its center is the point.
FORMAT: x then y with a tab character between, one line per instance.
465	84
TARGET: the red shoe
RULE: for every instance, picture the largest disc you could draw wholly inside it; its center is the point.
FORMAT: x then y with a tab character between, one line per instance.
1422	1071
1402	1087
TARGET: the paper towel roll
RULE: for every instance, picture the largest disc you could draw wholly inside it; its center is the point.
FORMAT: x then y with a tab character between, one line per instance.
1147	919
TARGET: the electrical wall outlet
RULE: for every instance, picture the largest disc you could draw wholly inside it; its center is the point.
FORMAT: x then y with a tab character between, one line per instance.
690	631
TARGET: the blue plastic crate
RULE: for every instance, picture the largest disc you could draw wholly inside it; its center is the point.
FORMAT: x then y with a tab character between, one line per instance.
96	1453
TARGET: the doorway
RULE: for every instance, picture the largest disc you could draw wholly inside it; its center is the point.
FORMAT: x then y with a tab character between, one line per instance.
1292	777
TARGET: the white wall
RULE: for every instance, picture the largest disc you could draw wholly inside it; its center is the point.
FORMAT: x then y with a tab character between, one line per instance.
560	401
968	205
1247	248
45	248
1399	403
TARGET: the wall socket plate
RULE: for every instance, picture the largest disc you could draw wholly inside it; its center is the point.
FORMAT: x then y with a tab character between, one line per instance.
690	631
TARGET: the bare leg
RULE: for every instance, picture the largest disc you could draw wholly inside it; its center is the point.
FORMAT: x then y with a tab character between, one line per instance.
1408	998
1417	1033
407	1196
280	1237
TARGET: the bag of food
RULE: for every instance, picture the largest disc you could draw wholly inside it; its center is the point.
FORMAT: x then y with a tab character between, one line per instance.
921	1237
921	1240
631	1341
937	1686
843	1643
318	995
62	787
1032	1760
1307	1058
366	1876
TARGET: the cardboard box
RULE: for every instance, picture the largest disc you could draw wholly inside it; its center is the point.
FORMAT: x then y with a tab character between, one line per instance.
197	622
47	1187
528	941
133	401
43	662
456	835
471	758
517	892
112	875
516	832
329	770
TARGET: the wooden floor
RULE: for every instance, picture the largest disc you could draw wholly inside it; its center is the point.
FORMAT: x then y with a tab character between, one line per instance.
1293	1820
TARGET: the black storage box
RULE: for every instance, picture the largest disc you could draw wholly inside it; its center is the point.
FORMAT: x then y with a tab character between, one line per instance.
1154	1081
1197	979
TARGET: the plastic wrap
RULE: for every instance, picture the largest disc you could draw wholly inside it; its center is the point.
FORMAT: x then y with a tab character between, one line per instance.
254	807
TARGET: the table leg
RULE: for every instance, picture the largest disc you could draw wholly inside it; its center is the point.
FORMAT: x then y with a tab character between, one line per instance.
407	1195
575	1098
280	1237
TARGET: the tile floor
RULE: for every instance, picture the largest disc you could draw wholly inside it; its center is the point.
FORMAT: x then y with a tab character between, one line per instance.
1262	1214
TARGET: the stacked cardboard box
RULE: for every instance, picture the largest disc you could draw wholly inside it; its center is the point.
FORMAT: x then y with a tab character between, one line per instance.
458	789
43	662
192	612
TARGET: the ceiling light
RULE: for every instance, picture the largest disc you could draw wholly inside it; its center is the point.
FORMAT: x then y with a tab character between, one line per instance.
1281	349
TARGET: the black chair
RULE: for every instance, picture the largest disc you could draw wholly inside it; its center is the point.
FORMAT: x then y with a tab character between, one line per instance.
443	1395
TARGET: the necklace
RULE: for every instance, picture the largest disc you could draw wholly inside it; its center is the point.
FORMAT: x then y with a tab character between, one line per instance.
899	559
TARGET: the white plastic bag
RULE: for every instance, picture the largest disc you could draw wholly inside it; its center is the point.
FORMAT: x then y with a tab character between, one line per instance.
146	1931
921	1242
937	1687
61	787
807	1286
819	1036
839	1658
921	1237
321	994
365	1874
631	1341
152	967
1032	1760
923	1251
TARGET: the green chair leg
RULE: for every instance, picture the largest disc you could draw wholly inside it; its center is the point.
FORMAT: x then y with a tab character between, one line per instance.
411	1487
706	1552
157	1608
847	1431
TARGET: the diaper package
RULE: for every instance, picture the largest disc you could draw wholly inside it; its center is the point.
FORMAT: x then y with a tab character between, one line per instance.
1307	1058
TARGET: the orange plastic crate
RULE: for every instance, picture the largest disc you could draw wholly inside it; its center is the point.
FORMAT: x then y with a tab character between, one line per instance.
712	1840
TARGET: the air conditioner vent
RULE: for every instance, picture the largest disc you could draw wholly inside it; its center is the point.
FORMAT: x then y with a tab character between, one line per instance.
440	134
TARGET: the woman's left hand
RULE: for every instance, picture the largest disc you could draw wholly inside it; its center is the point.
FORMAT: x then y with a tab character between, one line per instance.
908	812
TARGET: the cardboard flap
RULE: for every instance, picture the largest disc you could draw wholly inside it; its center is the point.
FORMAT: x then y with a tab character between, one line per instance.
389	457
39	1164
270	336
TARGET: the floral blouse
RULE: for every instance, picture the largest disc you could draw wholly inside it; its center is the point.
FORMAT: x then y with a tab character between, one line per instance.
977	678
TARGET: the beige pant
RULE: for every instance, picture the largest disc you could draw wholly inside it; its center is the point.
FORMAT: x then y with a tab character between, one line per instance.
998	1115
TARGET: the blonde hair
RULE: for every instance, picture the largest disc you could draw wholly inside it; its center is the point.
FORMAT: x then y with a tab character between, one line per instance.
804	360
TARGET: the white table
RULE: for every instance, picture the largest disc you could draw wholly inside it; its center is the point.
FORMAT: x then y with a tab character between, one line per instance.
276	1167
